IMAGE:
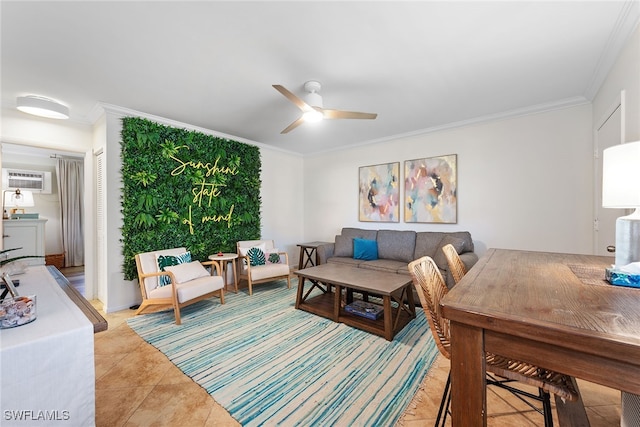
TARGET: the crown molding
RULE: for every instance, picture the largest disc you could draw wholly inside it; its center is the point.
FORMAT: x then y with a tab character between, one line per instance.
525	111
628	20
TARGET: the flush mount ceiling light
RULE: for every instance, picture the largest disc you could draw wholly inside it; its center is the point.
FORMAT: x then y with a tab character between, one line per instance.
43	107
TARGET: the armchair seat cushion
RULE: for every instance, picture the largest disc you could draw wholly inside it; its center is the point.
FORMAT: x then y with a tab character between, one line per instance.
260	272
190	290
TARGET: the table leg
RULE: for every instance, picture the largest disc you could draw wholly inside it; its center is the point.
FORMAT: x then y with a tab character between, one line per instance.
235	275
336	303
388	317
223	272
412	303
468	376
300	290
307	257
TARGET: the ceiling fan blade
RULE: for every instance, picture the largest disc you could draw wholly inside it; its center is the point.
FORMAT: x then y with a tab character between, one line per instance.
339	114
291	97
293	125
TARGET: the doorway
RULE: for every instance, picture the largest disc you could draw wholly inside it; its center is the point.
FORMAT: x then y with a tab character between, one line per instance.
47	205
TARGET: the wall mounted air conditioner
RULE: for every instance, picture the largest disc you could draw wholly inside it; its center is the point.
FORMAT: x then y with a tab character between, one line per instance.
36	181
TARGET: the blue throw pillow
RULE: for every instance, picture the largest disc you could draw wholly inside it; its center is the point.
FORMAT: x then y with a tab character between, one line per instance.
365	249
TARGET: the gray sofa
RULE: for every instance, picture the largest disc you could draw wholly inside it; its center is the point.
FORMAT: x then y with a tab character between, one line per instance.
397	248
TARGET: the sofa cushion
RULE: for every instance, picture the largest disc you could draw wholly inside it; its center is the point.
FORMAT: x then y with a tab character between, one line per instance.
396	245
359	233
343	246
365	249
427	243
439	258
345	260
466	236
386	265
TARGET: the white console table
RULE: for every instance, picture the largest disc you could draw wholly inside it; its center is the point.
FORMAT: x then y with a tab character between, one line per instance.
47	366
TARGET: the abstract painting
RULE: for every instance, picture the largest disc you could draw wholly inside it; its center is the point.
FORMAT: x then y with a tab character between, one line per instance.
379	193
431	190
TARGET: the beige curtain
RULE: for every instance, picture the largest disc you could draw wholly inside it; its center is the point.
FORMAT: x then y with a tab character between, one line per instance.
70	174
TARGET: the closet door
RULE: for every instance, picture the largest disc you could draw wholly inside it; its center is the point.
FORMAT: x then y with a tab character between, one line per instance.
608	133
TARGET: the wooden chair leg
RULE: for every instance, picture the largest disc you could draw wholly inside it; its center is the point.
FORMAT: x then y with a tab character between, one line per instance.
222	296
176	311
143	305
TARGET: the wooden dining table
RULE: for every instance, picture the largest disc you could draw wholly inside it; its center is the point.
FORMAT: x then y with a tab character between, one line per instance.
554	310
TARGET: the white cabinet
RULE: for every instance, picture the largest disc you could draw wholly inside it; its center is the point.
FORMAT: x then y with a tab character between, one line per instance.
27	234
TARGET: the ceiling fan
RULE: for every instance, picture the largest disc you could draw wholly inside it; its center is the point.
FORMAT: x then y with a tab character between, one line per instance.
312	107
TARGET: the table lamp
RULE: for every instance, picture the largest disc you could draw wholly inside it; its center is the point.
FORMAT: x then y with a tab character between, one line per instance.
18	199
621	189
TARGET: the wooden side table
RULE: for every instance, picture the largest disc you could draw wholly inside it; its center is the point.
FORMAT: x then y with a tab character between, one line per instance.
309	254
225	259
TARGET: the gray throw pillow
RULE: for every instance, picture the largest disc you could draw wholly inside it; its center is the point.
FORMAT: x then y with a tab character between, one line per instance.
439	258
343	246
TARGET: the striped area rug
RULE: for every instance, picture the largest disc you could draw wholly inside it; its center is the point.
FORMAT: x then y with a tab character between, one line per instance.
270	364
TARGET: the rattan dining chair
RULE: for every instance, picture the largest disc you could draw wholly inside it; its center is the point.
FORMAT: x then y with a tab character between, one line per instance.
456	266
431	288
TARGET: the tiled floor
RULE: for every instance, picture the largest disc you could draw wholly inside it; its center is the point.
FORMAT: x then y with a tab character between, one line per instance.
137	386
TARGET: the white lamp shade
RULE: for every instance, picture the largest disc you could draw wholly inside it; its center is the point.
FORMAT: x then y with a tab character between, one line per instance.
22	200
621	176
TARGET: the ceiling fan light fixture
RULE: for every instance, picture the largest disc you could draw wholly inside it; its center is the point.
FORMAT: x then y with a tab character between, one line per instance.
312	116
43	107
313	99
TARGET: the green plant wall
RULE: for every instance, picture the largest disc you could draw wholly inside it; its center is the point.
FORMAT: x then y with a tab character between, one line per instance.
186	188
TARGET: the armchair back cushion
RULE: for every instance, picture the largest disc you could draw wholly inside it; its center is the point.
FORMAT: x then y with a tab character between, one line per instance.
244	247
149	264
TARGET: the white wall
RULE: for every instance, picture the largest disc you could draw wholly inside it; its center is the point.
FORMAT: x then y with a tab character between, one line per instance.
63	135
523	183
282	194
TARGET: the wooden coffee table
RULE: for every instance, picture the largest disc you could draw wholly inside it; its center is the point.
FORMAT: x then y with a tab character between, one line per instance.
331	279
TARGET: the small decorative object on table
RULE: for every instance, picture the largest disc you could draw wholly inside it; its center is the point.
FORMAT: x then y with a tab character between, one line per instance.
15	310
627	275
365	309
220	254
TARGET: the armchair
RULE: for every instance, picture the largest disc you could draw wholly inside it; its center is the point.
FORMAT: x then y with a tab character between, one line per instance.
260	262
178	285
